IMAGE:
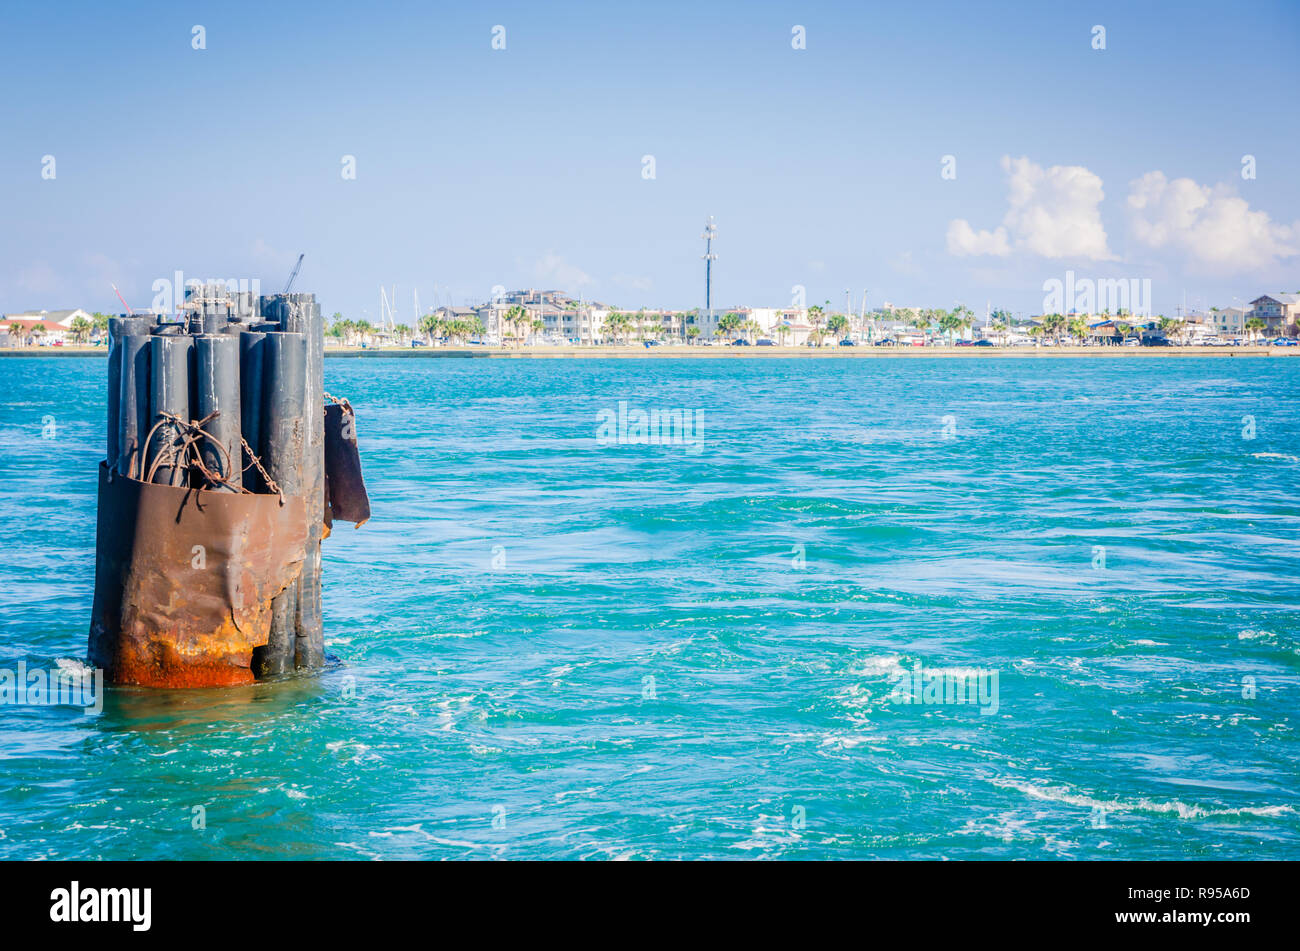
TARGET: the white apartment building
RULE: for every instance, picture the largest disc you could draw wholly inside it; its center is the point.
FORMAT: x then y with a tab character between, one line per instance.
1228	321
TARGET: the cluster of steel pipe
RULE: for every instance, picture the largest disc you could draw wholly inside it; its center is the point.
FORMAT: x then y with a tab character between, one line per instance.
232	389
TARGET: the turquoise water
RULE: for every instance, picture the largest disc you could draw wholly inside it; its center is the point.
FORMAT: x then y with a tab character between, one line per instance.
497	621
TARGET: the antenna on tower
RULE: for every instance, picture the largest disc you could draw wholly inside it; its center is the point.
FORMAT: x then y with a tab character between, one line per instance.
710	232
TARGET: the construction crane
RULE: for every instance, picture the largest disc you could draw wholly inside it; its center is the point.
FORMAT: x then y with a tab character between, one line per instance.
121	298
294	275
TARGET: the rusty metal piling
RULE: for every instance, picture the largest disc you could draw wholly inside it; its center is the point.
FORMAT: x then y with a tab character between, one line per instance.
221	473
284	374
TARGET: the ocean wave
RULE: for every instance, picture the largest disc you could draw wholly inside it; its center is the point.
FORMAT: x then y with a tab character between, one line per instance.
1066	796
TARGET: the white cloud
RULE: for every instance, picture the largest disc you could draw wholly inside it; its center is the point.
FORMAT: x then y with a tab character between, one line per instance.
964	240
1053	212
1213	226
560	273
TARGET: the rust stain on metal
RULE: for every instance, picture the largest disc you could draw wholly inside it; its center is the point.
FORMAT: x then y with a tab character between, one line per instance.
184	580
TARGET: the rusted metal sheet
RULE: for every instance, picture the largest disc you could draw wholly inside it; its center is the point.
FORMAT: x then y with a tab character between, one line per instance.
348	499
184	580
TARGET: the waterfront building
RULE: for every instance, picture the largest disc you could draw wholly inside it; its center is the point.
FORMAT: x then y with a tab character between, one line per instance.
1279	312
1228	321
43	327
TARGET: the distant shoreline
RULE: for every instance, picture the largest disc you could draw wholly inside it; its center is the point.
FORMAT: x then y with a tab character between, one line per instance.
734	353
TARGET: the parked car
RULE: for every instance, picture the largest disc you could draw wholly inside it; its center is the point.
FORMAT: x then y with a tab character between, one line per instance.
742	342
983	343
417	342
846	342
764	342
1284	342
965	343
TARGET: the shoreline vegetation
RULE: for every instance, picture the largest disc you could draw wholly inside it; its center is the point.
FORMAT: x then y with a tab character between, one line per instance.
744	353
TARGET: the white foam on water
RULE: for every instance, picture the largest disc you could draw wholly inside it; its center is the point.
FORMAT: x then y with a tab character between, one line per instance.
854	697
1063	794
418	829
1274	455
884	665
769	833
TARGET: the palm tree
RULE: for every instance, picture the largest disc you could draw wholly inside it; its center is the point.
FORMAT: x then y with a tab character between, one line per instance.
1078	329
838	325
921	320
514	317
692	333
998	327
1255	326
816	314
1054	324
729	323
616	325
954	322
959	318
100	323
782	331
80	328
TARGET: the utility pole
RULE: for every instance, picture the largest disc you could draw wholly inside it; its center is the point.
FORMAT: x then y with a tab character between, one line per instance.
710	232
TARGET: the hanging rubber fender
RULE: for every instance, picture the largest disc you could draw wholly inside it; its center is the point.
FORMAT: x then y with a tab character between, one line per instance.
345	486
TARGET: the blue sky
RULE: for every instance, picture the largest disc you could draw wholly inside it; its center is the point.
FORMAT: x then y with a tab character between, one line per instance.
523	166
